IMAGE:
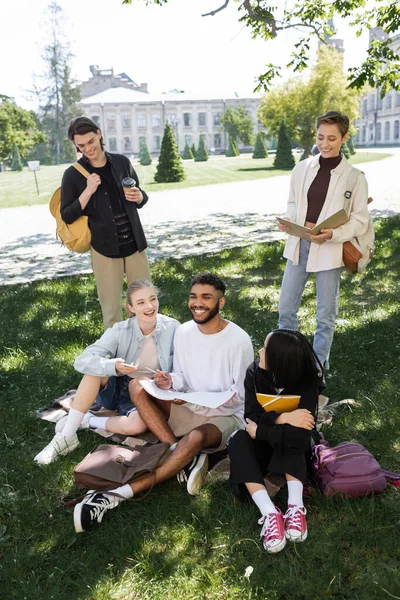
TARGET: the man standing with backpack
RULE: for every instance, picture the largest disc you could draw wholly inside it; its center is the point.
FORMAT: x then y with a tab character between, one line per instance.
110	197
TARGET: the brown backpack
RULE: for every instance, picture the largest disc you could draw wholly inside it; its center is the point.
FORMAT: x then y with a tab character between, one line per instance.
76	236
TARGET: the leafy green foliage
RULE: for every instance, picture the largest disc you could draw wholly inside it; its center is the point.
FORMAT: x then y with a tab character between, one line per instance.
144	154
169	166
260	149
381	67
193	149
187	152
16	162
298	102
284	158
350	145
202	152
17	127
238	124
345	150
233	149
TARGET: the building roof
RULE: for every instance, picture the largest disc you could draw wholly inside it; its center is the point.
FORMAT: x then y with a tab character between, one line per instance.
120	95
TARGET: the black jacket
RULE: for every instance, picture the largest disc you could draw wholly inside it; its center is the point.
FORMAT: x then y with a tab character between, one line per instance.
277	435
98	209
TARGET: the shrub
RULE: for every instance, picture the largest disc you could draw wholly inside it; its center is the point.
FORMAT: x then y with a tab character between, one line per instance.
201	154
169	166
284	158
260	150
233	149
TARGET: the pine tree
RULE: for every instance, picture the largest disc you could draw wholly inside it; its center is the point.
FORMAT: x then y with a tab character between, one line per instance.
194	151
16	162
144	154
201	154
187	152
233	149
260	150
169	166
345	150
350	145
284	157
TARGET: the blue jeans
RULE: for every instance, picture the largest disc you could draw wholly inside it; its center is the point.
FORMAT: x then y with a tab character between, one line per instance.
115	396
328	286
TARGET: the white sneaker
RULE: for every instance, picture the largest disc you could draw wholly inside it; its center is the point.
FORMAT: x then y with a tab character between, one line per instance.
59	446
194	474
84	424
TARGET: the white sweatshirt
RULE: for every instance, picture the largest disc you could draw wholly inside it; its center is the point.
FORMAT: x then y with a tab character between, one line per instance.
212	363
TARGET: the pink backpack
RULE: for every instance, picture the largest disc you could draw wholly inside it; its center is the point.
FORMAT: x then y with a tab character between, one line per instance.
349	469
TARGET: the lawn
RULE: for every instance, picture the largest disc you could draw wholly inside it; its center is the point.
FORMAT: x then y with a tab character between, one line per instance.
18	189
171	546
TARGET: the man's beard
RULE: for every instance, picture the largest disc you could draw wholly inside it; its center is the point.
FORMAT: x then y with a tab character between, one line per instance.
210	315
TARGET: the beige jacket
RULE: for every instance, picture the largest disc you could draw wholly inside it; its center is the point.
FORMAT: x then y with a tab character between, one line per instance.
329	254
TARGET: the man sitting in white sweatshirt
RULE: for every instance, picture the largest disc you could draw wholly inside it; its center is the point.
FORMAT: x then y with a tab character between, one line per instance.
211	354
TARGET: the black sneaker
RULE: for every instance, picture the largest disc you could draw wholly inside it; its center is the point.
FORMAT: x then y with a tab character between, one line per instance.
194	474
92	509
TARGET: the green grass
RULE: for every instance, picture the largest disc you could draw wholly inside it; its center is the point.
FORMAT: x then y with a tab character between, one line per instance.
171	546
18	189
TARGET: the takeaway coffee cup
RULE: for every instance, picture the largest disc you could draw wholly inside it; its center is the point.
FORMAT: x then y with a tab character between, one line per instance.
128	183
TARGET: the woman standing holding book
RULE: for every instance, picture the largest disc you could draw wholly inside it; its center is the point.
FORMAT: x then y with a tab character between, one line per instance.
317	191
277	443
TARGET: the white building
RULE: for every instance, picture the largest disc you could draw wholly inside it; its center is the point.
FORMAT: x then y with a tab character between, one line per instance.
126	116
379	122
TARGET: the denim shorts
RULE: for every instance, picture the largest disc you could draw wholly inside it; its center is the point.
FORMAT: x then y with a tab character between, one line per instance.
115	396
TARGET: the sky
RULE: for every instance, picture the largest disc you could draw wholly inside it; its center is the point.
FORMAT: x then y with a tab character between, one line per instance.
168	47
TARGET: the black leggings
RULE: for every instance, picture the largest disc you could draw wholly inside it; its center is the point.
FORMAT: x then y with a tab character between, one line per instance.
251	459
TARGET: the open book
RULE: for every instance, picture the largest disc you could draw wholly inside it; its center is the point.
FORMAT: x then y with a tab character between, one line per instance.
207	399
279	404
339	218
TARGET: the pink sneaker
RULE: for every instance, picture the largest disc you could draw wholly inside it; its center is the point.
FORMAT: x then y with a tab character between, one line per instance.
295	523
273	531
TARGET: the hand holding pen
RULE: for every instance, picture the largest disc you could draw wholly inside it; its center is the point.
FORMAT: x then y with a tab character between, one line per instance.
162	379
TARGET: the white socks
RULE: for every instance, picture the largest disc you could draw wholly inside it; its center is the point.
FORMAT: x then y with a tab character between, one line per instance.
98	422
72	423
264	502
295	493
125	491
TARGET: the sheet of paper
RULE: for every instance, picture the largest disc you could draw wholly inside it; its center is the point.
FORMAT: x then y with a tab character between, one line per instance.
207	399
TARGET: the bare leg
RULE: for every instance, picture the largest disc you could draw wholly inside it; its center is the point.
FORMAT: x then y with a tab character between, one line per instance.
154	413
188	447
131	424
87	392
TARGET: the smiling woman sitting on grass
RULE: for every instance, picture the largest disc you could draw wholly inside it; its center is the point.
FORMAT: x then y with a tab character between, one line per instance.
112	366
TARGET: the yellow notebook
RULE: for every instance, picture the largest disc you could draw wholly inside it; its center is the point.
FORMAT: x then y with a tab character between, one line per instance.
279	404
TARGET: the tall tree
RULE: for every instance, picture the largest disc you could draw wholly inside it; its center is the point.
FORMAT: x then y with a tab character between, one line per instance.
58	96
267	20
17	126
144	154
202	153
169	166
284	158
16	162
298	102
260	150
238	124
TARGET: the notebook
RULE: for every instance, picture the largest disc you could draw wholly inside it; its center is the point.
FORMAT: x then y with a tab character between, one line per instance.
279	404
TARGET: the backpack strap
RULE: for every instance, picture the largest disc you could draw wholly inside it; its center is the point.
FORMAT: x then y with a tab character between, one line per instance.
81	169
393	478
350	185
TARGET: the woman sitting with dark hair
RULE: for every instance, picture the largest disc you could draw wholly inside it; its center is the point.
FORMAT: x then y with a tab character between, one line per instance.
277	443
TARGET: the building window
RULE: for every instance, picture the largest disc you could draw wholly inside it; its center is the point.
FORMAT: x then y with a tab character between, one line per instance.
371	132
378	132
217	140
96	119
112	144
126	121
157	142
188	140
187	119
363	133
379	104
171	118
156	120
216	119
371	99
111	122
203	135
388	101
202	119
127	144
141	121
387	130
396	130
398	99
365	107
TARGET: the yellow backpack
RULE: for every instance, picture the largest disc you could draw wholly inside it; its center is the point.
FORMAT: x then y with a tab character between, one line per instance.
76	236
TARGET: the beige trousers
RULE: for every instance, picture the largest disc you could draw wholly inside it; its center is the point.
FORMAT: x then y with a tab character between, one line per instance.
109	276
